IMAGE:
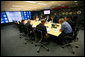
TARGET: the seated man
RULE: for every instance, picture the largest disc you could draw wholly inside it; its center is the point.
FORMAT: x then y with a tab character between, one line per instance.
65	29
37	18
55	20
48	18
28	25
68	19
41	17
42	27
52	18
21	26
22	22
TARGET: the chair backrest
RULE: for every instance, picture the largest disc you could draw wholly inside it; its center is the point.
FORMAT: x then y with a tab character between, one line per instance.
38	35
21	25
76	32
27	29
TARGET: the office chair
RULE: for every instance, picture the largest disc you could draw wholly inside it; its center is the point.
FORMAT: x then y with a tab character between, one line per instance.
21	30
29	34
75	34
70	39
39	40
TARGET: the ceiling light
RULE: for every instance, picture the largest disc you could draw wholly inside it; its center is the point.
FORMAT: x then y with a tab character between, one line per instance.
42	4
30	1
52	2
17	6
12	8
75	1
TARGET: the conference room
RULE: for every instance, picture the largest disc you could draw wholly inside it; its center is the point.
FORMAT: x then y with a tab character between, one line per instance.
42	28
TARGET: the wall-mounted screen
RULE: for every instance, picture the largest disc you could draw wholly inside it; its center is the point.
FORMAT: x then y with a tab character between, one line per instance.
4	18
46	11
10	16
14	16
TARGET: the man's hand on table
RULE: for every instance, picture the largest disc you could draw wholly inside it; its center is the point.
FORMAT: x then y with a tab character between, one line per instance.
46	34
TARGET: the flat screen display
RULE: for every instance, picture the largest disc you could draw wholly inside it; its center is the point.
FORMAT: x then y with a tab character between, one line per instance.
10	16
14	16
4	18
46	11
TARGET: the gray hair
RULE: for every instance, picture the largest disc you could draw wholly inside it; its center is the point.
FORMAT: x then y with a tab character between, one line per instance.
61	20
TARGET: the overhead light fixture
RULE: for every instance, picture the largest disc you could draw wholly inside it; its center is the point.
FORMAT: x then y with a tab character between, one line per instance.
17	6
52	2
30	1
42	4
14	8
75	1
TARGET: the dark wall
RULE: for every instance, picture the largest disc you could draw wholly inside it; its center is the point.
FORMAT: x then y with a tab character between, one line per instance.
60	11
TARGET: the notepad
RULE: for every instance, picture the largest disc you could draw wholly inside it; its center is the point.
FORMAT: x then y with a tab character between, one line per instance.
48	29
55	30
34	26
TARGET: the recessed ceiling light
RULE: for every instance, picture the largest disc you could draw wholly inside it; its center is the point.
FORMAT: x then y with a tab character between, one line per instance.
52	2
42	4
30	1
17	6
75	1
12	8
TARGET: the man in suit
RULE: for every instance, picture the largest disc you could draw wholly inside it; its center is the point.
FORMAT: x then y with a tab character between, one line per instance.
21	26
28	28
42	27
51	19
28	25
55	20
48	18
41	17
37	18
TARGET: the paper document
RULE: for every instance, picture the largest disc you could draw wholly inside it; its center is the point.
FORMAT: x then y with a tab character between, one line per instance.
48	29
34	26
55	30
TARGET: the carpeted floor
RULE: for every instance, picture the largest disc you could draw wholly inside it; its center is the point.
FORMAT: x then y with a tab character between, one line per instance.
12	45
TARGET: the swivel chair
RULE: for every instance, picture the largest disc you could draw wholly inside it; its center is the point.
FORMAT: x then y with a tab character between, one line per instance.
39	40
70	40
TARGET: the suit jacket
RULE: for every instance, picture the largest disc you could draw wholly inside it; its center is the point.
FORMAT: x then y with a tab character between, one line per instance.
42	28
48	19
21	25
29	26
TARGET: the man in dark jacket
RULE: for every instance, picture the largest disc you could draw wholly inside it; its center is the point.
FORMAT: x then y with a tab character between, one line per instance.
28	29
21	26
42	27
28	25
48	18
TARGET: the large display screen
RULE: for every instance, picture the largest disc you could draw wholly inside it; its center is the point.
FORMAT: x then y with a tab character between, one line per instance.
46	11
4	18
14	16
26	15
10	16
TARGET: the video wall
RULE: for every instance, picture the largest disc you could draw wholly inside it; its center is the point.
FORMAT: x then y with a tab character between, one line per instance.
4	18
10	16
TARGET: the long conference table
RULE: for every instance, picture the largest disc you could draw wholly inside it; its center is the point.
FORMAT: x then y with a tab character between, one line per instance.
50	30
